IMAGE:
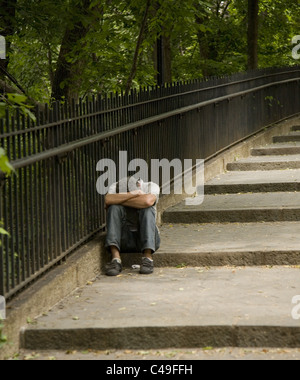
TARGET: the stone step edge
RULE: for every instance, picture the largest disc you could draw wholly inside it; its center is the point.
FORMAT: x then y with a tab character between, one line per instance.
262	166
159	337
235	188
286	138
249	215
275	151
241	258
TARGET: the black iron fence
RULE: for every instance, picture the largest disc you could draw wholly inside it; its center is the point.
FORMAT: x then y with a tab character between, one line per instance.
51	206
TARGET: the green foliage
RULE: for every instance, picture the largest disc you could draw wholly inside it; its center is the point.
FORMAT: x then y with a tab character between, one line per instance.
3	338
278	24
5	166
207	37
10	102
13	102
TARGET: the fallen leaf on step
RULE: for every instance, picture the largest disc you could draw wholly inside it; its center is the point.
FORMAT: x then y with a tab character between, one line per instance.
70	352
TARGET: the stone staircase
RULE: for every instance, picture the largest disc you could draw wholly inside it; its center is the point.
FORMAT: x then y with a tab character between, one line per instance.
226	273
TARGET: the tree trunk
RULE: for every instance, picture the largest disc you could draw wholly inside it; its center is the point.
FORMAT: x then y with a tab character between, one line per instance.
163	60
137	49
207	47
167	58
67	79
162	52
253	11
204	48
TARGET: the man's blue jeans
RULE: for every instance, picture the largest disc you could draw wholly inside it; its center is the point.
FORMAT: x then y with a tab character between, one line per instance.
120	236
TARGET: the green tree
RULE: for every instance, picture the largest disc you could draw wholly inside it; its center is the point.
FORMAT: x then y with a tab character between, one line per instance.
72	48
73	57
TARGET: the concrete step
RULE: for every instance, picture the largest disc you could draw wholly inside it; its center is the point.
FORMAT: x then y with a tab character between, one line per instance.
256	207
293	136
187	307
254	181
266	163
199	354
291	148
295	128
219	244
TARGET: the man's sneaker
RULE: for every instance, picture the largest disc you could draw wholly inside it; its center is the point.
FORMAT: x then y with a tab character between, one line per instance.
114	268
147	266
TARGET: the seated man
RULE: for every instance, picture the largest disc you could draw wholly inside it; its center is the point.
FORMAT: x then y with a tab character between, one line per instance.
131	223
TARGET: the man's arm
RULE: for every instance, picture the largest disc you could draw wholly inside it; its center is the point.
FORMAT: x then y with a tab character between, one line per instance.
141	201
137	200
118	199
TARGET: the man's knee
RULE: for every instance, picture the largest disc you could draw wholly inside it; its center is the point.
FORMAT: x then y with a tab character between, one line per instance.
116	210
148	212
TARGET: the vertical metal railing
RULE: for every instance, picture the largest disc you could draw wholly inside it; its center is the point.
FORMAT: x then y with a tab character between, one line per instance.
50	206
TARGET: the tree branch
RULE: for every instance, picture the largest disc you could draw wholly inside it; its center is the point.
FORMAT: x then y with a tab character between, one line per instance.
8	89
225	8
12	79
